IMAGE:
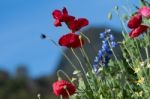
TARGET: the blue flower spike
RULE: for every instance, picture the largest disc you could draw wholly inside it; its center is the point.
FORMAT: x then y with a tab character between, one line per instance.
104	54
102	35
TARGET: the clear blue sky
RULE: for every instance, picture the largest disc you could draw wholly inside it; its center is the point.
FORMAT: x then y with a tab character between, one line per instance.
22	22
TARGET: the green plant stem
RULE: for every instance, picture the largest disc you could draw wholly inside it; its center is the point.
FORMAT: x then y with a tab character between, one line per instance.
82	68
67	76
114	54
138	50
84	53
129	86
147	54
129	53
74	67
122	23
127	61
86	57
82	34
61	97
68	93
147	63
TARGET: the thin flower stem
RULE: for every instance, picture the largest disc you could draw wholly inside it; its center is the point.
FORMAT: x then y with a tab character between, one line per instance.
129	86
82	68
88	61
114	53
61	71
129	53
48	38
130	5
88	40
86	37
146	50
126	10
127	61
138	49
116	58
86	57
61	97
110	88
147	54
69	61
146	38
118	62
122	23
68	93
84	53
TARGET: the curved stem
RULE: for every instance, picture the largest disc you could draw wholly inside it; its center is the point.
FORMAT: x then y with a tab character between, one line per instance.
82	68
61	71
86	37
122	23
48	38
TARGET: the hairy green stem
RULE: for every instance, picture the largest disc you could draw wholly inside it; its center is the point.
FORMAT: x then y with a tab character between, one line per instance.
48	38
82	68
67	76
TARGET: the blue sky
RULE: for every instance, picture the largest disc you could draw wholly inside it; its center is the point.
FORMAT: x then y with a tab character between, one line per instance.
22	22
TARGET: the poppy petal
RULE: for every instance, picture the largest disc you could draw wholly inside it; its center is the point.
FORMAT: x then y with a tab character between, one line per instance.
57	14
71	40
135	21
137	31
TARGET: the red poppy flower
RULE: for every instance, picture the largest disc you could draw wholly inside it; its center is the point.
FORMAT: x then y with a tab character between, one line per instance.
71	40
76	25
61	87
145	11
137	31
135	21
61	16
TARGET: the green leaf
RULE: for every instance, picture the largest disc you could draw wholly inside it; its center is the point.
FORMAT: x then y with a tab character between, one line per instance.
81	84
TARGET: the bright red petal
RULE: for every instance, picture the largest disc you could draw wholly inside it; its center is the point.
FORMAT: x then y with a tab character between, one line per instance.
135	21
76	25
57	23
73	25
57	14
83	22
65	12
71	40
58	88
140	30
